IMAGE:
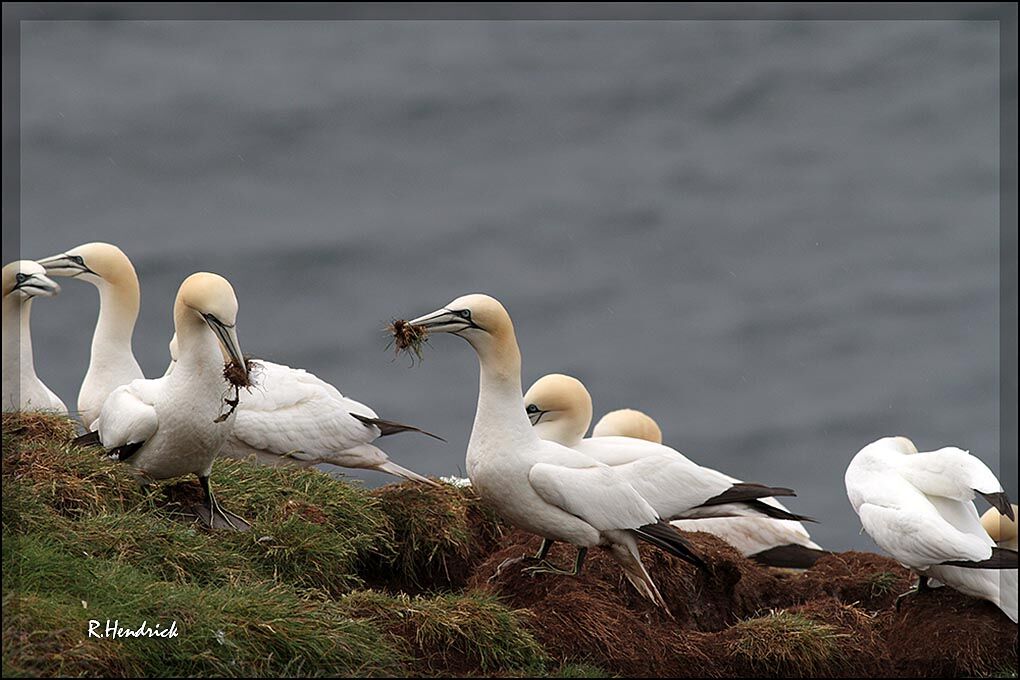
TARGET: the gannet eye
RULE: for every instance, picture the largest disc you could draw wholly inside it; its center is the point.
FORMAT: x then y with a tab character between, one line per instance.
77	259
532	408
464	314
21	278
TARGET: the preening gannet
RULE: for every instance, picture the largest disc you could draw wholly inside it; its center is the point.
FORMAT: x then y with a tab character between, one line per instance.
22	388
540	486
919	508
293	417
1000	528
174	425
560	409
111	362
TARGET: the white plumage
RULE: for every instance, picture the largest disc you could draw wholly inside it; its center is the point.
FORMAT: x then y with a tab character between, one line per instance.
23	281
918	507
540	486
561	407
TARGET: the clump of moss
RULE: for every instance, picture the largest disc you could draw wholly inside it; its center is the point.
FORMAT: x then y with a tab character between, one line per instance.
438	535
408	337
786	645
454	633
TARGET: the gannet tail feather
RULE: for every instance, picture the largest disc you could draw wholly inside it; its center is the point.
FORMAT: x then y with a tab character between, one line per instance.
664	536
747	491
791	556
1002	558
388	427
776	513
394	469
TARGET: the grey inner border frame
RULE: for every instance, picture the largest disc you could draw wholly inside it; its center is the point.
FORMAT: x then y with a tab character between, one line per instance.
1004	13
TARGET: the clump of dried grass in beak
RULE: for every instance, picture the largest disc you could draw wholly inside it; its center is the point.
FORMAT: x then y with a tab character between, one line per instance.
237	376
408	337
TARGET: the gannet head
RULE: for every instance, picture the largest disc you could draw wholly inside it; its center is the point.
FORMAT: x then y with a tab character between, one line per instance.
479	319
210	298
902	444
999	527
93	262
627	422
27	279
559	407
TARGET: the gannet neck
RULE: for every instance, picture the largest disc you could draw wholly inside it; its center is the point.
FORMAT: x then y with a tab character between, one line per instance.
118	310
17	342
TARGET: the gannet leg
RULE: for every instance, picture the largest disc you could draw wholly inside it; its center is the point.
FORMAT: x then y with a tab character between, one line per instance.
543	550
218	518
921	587
545	567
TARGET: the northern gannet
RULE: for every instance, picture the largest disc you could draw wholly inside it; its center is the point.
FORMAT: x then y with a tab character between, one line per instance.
175	425
1000	528
22	388
291	416
111	361
560	409
543	487
919	508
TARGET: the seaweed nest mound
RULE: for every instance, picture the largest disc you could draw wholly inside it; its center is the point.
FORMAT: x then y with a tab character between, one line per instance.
405	580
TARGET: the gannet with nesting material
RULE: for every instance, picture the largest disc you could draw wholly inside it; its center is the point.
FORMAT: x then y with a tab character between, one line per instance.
293	417
1000	528
175	425
919	508
111	361
540	486
24	280
560	408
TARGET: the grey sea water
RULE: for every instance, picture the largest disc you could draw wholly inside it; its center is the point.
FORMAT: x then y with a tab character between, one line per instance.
778	238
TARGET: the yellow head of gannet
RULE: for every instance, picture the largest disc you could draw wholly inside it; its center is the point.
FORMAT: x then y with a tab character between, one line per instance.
1002	529
207	299
559	408
94	262
26	279
627	422
485	324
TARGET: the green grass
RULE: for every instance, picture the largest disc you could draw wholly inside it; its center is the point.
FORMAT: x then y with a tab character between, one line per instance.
82	540
787	644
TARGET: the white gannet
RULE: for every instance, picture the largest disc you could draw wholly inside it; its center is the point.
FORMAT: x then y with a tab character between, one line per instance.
293	417
1000	528
175	425
22	388
560	409
919	508
111	362
543	487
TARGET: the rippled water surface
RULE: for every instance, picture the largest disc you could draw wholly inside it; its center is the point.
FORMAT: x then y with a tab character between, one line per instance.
778	238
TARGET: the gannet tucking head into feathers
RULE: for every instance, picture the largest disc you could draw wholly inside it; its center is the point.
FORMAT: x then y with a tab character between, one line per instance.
1000	528
628	422
24	280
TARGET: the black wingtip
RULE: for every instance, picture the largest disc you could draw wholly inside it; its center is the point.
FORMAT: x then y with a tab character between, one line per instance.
665	536
790	556
773	512
1002	558
388	427
747	491
1000	501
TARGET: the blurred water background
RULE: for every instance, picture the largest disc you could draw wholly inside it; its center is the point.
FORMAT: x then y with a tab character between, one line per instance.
778	238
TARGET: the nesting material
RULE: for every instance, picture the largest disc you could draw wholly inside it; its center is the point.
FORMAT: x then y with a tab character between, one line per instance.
408	337
237	377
